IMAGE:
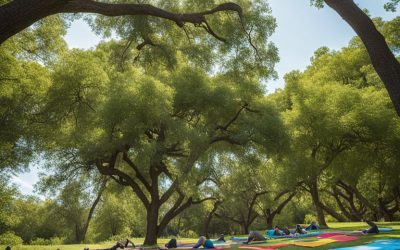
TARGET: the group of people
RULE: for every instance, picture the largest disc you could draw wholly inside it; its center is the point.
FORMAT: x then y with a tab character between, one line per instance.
253	236
298	230
202	241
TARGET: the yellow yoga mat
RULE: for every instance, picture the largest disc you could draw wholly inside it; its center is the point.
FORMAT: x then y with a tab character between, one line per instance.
318	243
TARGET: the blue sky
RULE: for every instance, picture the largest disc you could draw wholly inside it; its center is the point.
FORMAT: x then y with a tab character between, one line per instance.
301	30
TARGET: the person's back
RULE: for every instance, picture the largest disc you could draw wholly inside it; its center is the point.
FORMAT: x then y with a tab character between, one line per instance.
171	243
373	227
254	236
286	230
208	244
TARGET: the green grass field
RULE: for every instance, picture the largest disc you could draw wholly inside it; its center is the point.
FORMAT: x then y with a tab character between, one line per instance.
349	226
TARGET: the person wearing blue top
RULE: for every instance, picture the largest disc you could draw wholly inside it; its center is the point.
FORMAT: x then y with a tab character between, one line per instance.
313	226
277	231
206	243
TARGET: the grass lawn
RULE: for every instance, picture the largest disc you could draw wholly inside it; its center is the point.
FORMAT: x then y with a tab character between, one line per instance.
348	226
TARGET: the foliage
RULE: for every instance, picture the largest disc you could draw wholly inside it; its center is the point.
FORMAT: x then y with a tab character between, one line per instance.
9	238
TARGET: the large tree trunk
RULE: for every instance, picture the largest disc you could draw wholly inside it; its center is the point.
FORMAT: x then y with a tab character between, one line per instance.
270	222
317	203
17	15
209	218
383	60
152	225
245	228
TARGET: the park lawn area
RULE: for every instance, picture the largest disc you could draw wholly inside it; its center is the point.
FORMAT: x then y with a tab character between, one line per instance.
354	226
346	226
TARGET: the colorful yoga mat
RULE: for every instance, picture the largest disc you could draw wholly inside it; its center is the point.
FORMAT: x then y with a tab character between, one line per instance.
389	244
317	243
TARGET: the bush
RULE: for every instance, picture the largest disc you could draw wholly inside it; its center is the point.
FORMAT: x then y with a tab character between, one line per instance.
188	234
10	239
40	241
57	240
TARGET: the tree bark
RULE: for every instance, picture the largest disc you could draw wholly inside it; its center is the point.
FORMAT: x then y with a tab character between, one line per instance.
317	203
209	218
152	225
91	211
17	15
383	60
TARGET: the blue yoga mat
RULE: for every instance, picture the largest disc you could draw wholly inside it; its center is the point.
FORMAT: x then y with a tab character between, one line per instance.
376	245
270	233
239	238
384	229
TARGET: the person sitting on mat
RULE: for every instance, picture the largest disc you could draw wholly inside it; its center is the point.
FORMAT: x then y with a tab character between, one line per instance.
254	236
221	238
171	243
299	229
373	228
206	243
277	231
312	226
286	231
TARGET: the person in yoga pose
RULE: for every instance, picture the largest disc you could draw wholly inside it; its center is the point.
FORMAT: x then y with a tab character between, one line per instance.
121	244
286	231
299	229
373	228
312	226
206	243
277	231
171	243
221	238
254	236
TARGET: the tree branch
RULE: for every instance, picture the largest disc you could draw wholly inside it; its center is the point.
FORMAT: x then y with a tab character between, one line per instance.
20	14
139	175
124	179
383	60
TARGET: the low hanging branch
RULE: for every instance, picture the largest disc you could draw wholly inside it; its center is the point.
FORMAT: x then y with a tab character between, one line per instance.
383	60
17	15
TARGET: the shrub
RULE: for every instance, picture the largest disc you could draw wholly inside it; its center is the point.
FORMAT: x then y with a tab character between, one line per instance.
9	238
40	241
57	240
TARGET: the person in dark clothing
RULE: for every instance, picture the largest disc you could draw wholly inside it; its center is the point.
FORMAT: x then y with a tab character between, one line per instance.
277	231
254	236
122	245
299	229
286	231
221	238
171	243
373	228
313	226
116	246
